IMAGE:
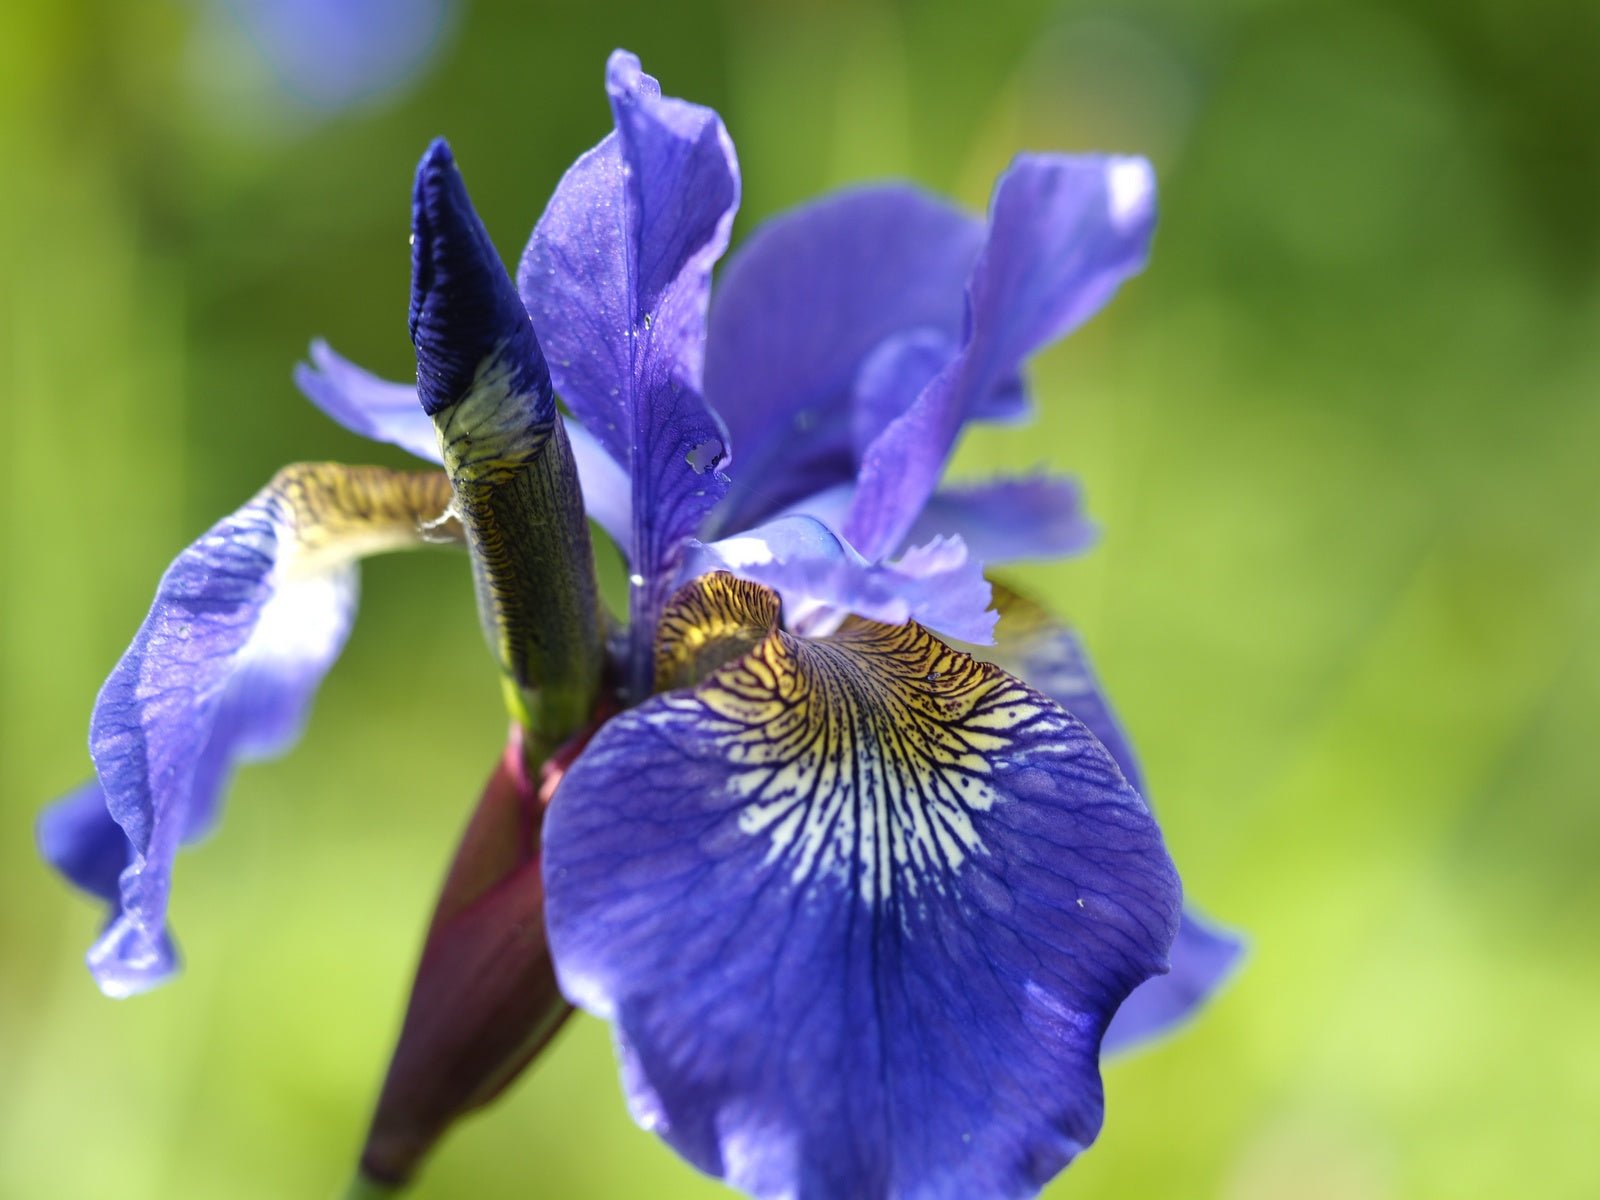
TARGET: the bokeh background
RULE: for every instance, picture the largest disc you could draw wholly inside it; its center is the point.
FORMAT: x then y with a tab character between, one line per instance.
1342	438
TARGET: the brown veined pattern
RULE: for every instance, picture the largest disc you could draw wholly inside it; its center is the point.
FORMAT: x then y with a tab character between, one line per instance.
336	513
711	621
863	755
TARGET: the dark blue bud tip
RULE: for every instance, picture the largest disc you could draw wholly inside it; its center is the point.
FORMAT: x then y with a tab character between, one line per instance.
464	307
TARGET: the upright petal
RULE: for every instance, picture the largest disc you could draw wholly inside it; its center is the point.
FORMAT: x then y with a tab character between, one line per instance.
607	491
1063	234
245	624
895	374
822	578
892	377
617	277
798	309
1033	645
860	910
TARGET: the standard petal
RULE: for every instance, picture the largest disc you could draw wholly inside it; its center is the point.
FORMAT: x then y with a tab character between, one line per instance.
822	578
617	278
365	404
607	494
1063	234
798	309
245	623
892	377
1033	645
895	374
860	910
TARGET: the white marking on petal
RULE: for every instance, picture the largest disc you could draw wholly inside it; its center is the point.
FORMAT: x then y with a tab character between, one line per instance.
860	761
1131	188
739	552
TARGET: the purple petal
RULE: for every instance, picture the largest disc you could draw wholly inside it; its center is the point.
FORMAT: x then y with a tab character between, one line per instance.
245	624
617	277
800	306
1009	520
221	625
1034	646
365	404
822	578
999	521
1063	234
390	412
860	911
1204	957
894	375
77	837
607	495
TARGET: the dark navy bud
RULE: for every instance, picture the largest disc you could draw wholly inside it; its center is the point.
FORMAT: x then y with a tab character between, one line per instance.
467	321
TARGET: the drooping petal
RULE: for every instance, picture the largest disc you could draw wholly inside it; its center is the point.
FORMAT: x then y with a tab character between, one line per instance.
1033	645
798	309
245	624
822	578
1063	234
617	277
365	404
77	837
1204	957
860	910
391	412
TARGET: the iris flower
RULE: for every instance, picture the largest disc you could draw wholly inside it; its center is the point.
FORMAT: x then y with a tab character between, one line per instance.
842	839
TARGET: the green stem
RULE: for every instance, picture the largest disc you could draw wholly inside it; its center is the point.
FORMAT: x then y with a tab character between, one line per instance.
533	565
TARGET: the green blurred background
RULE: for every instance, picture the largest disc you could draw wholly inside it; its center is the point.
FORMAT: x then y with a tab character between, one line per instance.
1341	435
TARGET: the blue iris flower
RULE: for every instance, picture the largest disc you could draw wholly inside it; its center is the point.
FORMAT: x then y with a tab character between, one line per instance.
842	838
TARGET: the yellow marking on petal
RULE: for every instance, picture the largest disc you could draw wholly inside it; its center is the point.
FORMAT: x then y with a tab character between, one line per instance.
863	755
713	620
486	436
332	514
